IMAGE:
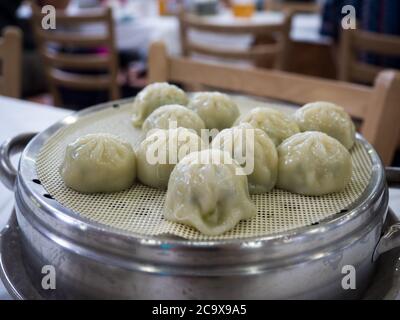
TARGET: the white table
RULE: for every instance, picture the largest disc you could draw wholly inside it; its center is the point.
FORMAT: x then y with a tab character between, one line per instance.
17	116
145	30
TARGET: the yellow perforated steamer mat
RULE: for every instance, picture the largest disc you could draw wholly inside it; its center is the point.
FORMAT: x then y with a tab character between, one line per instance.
140	209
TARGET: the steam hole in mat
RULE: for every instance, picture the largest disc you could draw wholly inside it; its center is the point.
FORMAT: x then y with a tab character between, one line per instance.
117	206
37	181
46	195
115	105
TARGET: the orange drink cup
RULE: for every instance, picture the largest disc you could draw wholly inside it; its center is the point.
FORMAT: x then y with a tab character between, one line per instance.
162	7
243	8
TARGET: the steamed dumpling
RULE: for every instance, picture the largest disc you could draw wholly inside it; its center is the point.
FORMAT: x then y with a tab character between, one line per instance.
328	118
254	151
217	110
99	163
160	151
153	96
206	192
173	116
313	163
277	125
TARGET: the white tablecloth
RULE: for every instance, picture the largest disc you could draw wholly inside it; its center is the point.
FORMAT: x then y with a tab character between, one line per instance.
18	116
139	32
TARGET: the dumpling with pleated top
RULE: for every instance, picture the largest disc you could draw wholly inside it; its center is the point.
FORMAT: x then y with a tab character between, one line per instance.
154	96
160	152
173	116
254	151
313	163
99	162
276	124
328	118
217	110
208	190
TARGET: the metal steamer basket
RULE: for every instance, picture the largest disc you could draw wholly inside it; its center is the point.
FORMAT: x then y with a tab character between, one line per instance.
95	258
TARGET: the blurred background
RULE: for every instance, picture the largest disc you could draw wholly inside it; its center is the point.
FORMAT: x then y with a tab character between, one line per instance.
99	48
310	45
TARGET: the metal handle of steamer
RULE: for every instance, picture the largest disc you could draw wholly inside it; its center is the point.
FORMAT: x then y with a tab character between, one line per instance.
393	176
391	238
8	173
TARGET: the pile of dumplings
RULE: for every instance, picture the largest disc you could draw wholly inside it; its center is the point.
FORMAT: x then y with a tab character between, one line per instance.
209	180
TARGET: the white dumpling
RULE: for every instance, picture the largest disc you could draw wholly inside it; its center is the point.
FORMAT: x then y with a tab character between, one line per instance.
153	96
160	151
99	163
254	151
206	192
313	163
277	125
173	116
328	118
217	110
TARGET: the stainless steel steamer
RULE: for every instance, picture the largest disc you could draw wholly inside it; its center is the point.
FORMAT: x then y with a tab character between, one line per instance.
96	261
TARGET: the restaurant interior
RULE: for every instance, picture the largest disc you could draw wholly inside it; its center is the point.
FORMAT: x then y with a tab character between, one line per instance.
59	58
303	37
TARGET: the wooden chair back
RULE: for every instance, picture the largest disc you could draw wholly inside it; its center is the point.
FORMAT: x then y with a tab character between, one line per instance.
68	69
376	106
356	41
11	62
274	52
293	6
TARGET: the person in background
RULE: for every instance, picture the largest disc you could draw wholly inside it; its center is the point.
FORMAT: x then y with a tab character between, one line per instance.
33	74
381	16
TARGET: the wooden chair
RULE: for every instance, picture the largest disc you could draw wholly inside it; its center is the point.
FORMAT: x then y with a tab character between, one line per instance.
67	70
259	54
11	62
355	41
377	106
293	6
